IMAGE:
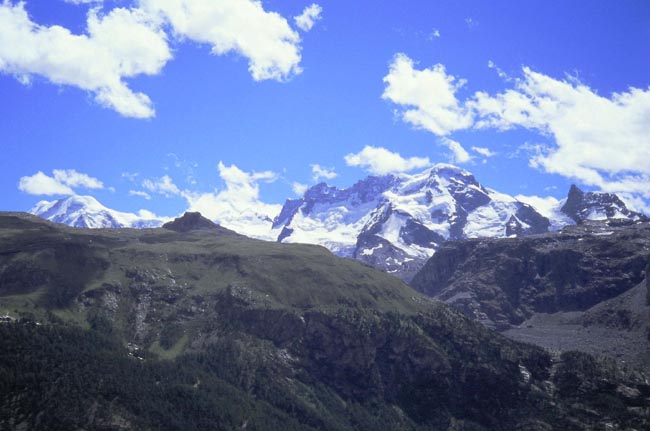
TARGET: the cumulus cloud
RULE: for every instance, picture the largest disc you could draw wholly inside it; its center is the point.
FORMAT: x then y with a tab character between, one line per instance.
600	141
428	96
545	205
319	172
72	178
306	20
127	42
244	184
121	44
380	161
41	184
238	206
61	183
266	39
164	186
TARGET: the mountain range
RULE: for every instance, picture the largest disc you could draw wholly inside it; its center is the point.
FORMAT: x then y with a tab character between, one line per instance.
87	212
394	222
194	327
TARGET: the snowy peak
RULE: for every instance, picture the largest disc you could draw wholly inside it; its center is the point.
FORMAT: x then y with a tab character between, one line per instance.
581	206
392	222
77	211
87	212
397	222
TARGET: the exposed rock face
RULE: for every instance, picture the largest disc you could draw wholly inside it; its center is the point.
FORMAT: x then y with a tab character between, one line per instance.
396	222
647	281
502	282
581	206
393	222
191	221
268	336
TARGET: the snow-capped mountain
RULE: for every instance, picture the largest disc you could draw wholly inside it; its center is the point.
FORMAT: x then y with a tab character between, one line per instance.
87	212
581	206
392	222
396	222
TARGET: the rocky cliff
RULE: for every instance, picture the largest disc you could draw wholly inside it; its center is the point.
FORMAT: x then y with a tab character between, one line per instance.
578	287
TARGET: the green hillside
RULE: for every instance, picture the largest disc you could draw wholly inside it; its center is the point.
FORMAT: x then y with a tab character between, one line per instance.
203	329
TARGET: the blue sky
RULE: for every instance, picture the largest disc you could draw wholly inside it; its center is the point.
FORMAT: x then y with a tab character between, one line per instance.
237	102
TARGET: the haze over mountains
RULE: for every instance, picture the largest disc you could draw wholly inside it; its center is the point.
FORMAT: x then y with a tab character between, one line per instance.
392	222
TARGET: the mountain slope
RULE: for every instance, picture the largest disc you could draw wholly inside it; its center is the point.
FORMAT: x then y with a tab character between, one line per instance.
553	289
204	329
395	223
581	206
87	212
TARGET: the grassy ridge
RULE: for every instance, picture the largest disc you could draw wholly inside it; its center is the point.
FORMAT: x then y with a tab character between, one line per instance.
155	329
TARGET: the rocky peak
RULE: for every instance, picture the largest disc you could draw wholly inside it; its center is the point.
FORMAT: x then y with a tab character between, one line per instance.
321	191
581	206
190	221
370	187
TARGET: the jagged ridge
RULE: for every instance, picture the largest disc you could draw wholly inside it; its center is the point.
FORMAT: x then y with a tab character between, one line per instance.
392	222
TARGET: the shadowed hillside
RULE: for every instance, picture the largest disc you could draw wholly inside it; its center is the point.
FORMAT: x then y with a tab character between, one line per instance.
203	329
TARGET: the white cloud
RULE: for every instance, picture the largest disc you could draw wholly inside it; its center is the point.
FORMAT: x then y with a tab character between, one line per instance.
458	153
380	161
319	172
298	188
127	42
546	206
146	214
244	183
241	26
483	151
61	182
308	18
164	186
434	34
238	206
500	73
635	203
122	44
41	184
600	141
140	193
72	178
428	96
